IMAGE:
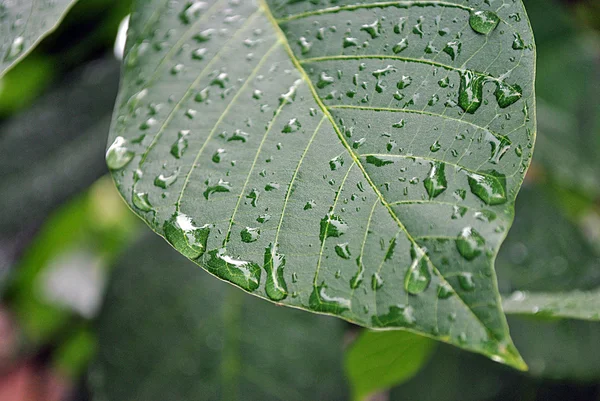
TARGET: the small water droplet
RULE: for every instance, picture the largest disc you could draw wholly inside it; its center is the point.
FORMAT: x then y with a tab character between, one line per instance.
518	43
192	11
164	182
140	201
343	251
376	281
507	94
444	291
400	46
466	281
372	29
292	126
404	82
305	45
336	163
221	186
379	161
324	80
435	146
453	49
15	49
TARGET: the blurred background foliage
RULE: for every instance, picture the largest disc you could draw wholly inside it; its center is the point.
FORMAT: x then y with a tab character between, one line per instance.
93	306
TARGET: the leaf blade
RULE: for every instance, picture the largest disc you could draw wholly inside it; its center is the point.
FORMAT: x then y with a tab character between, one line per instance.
283	163
41	20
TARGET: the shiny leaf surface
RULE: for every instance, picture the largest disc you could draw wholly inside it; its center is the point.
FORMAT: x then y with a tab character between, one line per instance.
354	159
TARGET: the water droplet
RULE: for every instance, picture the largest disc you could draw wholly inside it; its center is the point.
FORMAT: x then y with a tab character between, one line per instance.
220	80
332	226
274	263
418	276
507	94
343	250
400	46
118	155
238	135
164	182
470	94
324	80
140	201
336	163
290	95
202	95
350	42
357	279
271	186
397	316
372	29
185	236
221	186
399	124
379	161
250	234
404	82
242	273
253	196
263	218
178	148
444	291
192	11
199	53
310	204
219	155
322	302
384	71
518	43
376	281
305	45
466	281
436	182
500	145
483	22
291	126
435	146
490	187
15	49
470	243
453	49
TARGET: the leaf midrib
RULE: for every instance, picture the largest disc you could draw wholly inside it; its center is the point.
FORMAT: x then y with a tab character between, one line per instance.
283	39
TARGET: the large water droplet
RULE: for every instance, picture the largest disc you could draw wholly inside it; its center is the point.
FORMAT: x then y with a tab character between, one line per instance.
332	226
379	161
490	187
500	145
453	49
470	94
483	22
507	94
445	291
322	302
372	29
275	286
397	316
418	276
118	155
185	236
436	182
470	243
140	201
240	272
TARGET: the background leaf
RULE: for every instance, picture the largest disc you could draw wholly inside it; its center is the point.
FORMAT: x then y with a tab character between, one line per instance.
273	137
379	360
53	150
168	331
24	24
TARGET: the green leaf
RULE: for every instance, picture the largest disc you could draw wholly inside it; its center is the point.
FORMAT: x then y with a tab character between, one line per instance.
574	305
169	332
53	150
338	137
379	360
24	24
